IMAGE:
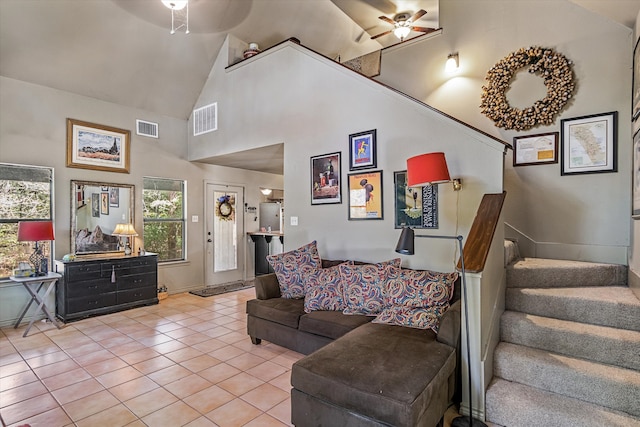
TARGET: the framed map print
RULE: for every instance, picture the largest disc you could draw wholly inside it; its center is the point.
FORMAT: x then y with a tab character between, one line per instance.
589	144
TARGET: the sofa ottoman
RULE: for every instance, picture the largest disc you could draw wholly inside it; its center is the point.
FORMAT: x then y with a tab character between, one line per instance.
393	376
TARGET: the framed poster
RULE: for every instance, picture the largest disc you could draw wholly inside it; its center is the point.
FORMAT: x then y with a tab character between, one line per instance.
95	205
362	150
589	144
365	195
414	207
114	197
97	147
635	103
537	149
636	175
326	180
104	203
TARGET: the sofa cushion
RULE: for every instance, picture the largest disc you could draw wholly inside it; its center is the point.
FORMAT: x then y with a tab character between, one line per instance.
385	372
280	310
323	289
412	317
291	268
363	287
331	324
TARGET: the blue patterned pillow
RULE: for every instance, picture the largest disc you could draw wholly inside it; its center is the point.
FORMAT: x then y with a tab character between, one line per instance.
363	287
413	317
292	267
415	288
323	289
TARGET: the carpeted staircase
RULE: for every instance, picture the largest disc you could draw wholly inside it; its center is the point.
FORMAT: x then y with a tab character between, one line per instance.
570	349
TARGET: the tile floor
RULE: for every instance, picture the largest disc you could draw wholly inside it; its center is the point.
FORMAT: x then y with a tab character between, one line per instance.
184	362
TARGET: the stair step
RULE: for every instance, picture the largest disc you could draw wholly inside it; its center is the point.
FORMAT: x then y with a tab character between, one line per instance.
573	339
604	385
517	405
547	273
613	306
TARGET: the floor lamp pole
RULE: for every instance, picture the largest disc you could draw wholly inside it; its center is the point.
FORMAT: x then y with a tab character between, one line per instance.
463	421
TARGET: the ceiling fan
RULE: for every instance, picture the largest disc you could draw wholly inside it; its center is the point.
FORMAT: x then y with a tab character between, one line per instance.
402	24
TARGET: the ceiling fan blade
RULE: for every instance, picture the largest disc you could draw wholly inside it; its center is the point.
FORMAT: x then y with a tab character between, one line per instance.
424	29
419	14
389	20
381	34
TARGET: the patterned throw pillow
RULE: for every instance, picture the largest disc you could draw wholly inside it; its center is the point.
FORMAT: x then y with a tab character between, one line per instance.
292	267
323	289
363	287
413	317
416	299
415	288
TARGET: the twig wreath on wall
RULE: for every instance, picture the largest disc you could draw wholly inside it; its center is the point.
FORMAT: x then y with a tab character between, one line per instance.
556	71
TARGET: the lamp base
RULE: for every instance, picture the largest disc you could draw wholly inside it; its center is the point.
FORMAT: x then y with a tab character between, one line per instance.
463	421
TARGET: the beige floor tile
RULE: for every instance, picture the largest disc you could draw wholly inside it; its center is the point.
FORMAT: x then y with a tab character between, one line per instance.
89	405
40	351
168	346
77	391
133	388
265	420
226	353
152	365
17	380
10	358
56	368
127	348
265	396
170	374
176	414
282	381
167	327
209	399
47	359
55	417
267	371
66	378
201	422
28	408
282	411
106	365
116	341
114	378
183	354
246	361
194	338
19	394
94	357
200	363
185	387
14	368
149	402
153	340
219	373
210	345
139	355
240	384
115	416
234	414
179	333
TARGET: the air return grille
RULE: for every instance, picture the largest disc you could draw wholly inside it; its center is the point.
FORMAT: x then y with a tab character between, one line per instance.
149	129
205	119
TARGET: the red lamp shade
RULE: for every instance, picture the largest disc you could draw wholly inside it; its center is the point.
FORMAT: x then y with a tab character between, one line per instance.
35	231
427	169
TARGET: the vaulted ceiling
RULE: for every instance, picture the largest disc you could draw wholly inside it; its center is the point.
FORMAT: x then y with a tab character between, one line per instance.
121	51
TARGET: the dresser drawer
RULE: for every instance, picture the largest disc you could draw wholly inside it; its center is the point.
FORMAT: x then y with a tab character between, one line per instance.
128	267
137	281
86	271
133	295
78	305
88	288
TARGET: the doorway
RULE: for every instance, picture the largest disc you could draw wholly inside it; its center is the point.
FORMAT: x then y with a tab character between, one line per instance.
224	230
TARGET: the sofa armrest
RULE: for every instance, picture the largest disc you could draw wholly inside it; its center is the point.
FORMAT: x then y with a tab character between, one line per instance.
449	332
267	286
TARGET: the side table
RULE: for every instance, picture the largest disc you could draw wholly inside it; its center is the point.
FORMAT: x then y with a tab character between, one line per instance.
33	285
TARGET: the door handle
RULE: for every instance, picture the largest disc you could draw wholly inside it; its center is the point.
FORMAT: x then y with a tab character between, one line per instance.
209	240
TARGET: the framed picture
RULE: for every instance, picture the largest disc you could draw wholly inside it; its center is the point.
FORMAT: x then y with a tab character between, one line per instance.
80	202
365	195
97	147
636	175
414	207
362	150
95	205
104	203
114	197
589	144
326	180
635	103
537	149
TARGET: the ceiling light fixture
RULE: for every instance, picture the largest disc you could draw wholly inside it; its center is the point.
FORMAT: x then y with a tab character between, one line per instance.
179	14
452	64
402	30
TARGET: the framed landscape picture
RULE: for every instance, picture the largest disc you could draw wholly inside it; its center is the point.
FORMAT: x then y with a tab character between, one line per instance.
326	179
97	147
589	144
365	195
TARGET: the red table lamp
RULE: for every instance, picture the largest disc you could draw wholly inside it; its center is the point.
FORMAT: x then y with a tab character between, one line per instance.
36	231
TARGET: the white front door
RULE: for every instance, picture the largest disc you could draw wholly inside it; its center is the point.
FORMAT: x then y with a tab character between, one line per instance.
224	242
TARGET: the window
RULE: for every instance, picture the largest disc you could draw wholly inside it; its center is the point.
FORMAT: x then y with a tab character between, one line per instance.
25	194
164	218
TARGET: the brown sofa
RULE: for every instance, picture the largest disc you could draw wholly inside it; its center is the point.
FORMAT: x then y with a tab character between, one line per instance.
358	373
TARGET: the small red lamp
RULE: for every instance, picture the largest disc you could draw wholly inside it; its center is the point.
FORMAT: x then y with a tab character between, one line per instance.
36	231
429	169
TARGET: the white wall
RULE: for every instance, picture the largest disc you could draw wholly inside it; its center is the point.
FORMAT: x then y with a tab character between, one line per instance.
582	217
33	131
634	258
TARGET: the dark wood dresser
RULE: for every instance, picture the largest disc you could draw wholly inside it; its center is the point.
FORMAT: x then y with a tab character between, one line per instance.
93	286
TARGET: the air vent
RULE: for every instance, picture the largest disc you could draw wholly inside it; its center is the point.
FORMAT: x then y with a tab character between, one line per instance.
205	119
149	129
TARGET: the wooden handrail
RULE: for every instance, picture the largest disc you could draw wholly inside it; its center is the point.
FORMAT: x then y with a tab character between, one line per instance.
476	248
